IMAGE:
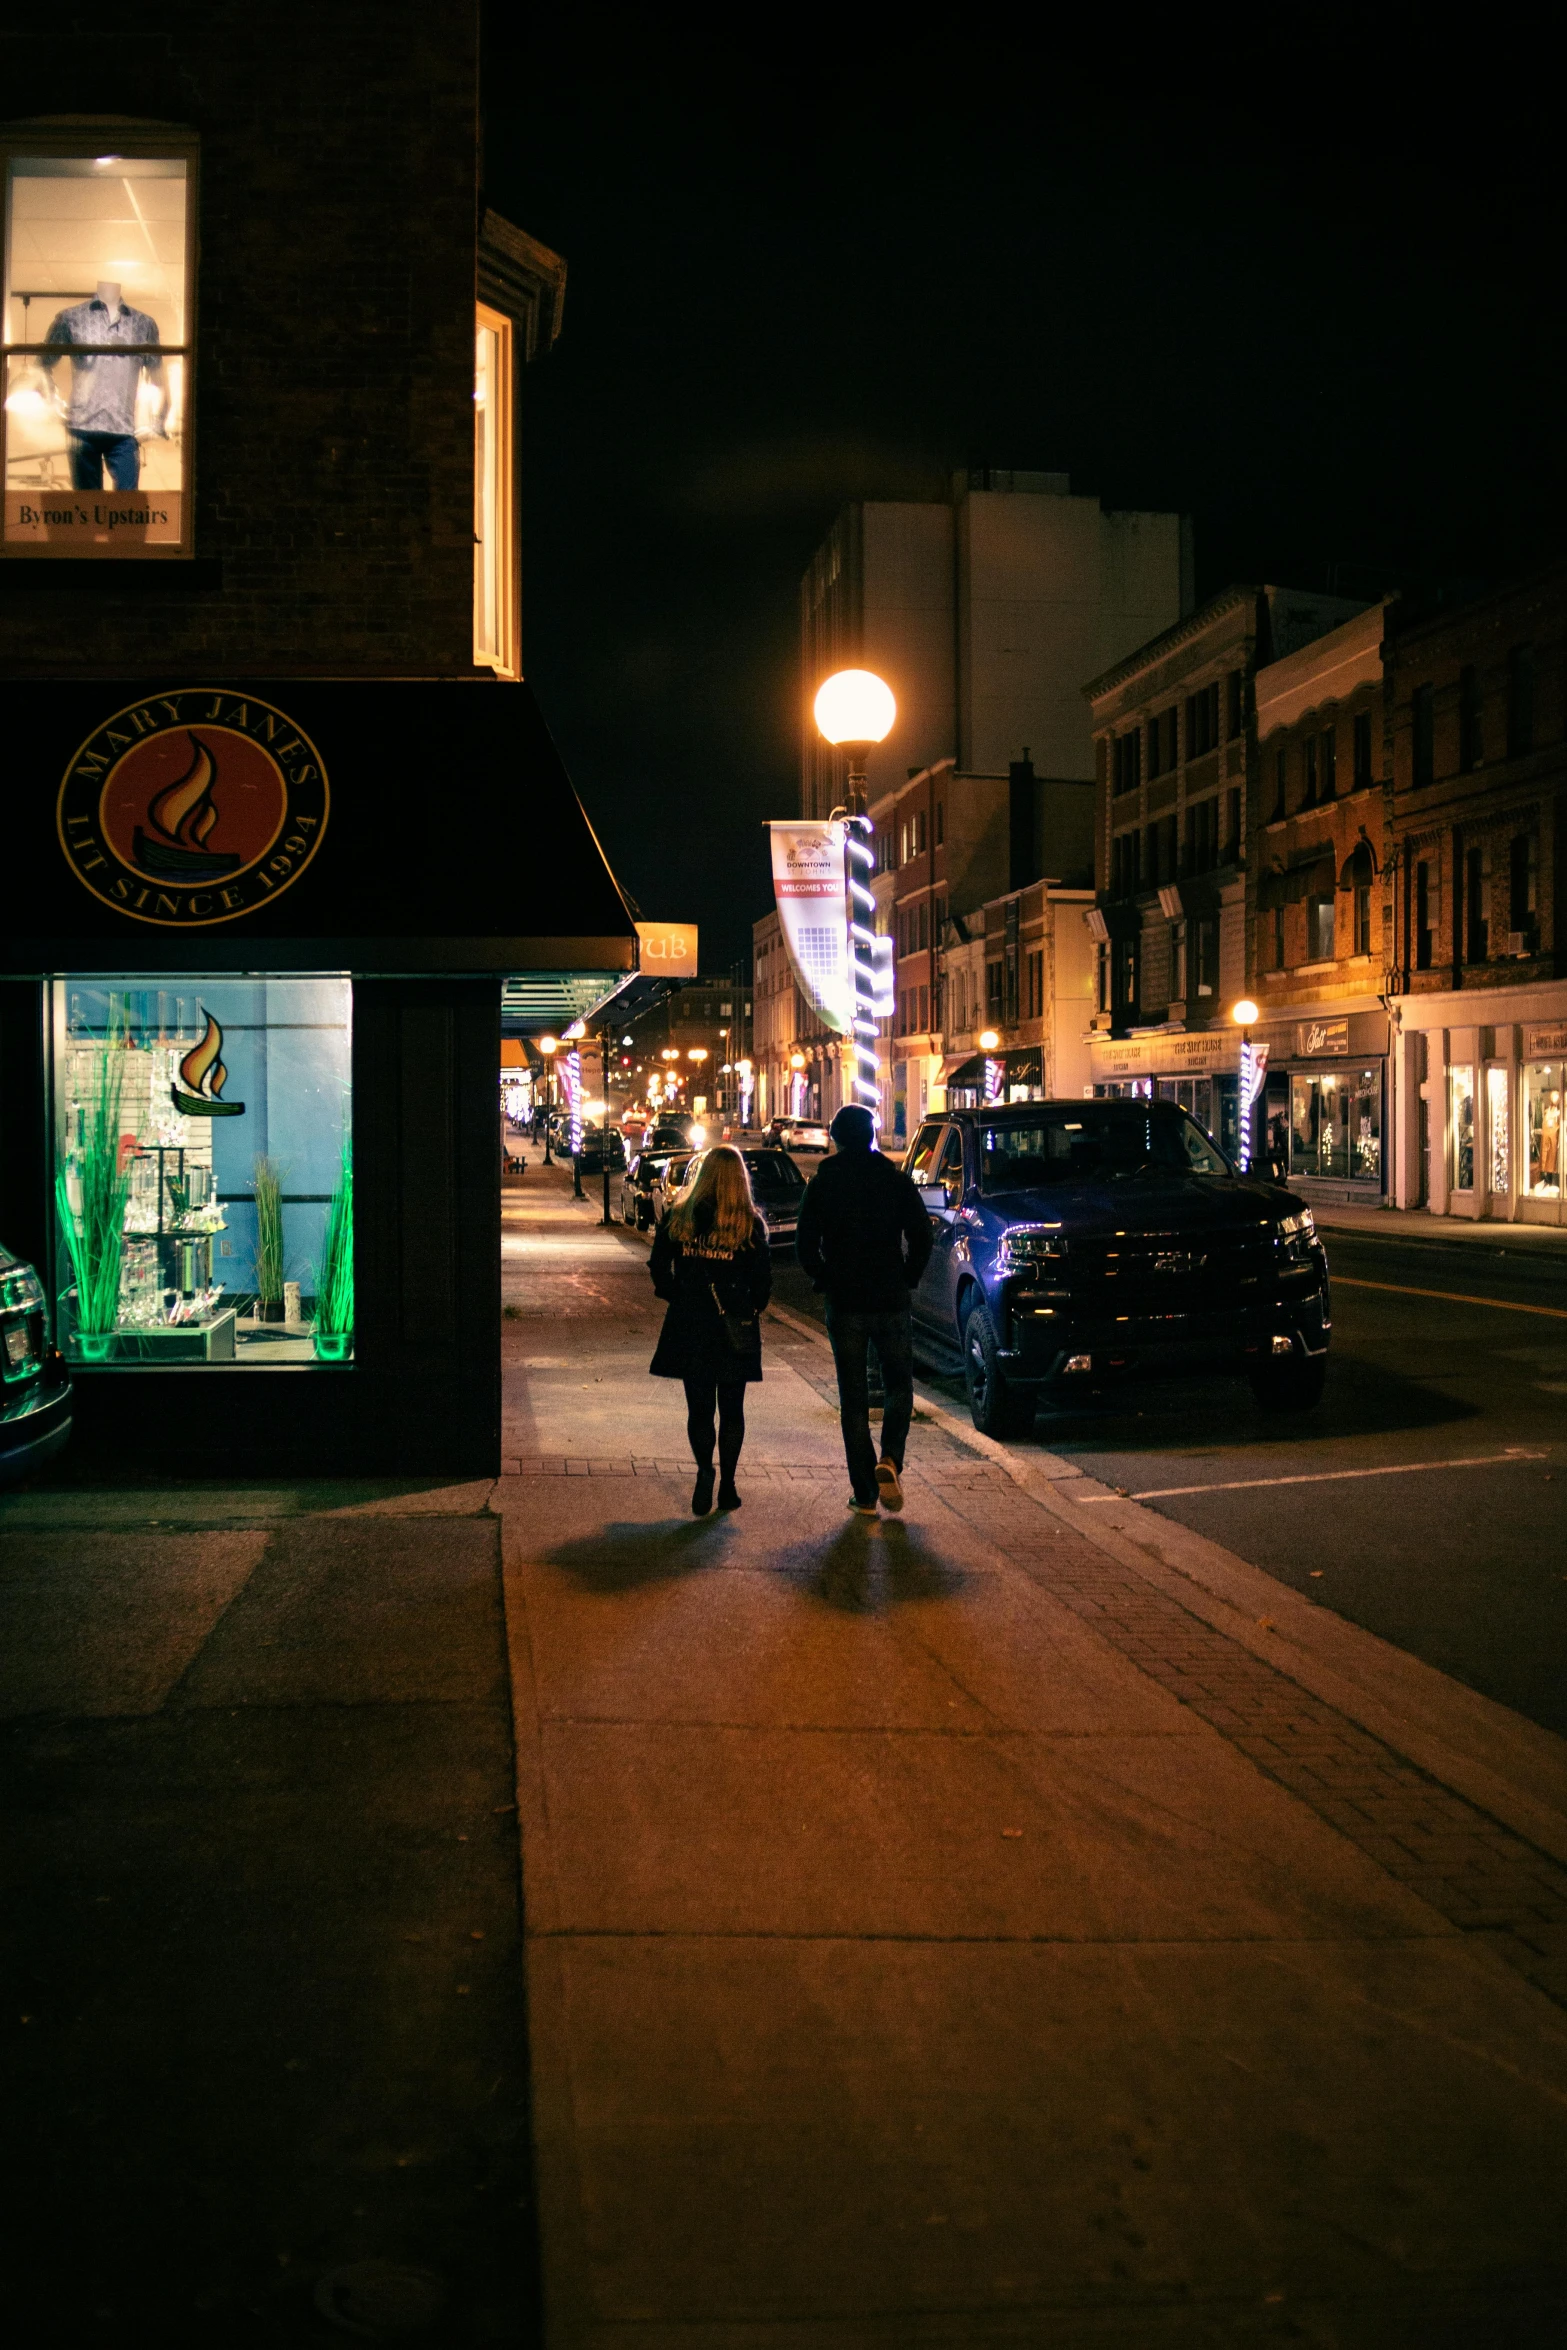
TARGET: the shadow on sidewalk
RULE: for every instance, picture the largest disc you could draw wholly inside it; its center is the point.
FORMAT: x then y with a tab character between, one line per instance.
629	1553
870	1564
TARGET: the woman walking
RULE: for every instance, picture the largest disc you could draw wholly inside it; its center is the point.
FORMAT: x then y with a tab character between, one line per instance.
710	1261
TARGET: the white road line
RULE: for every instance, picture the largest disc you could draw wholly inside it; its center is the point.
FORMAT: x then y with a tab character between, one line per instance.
1481	1460
1450	1297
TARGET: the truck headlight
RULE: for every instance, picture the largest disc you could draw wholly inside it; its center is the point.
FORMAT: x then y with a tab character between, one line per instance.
1024	1246
1300	1226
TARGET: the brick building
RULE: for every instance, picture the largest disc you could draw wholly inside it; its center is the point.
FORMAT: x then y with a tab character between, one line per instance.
1476	947
1320	909
291	818
1175	744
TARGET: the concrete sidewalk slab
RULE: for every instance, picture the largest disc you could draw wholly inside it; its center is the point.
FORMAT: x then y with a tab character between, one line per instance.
921	1950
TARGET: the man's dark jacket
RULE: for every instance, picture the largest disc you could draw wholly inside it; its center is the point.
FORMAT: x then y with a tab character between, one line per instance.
864	1235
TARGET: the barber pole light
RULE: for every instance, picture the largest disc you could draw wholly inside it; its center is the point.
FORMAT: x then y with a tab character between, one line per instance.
872	970
1253	1063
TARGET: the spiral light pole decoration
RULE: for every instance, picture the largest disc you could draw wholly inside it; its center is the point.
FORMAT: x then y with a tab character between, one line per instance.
855	710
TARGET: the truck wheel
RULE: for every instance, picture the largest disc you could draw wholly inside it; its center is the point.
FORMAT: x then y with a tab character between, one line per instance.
995	1406
1292	1386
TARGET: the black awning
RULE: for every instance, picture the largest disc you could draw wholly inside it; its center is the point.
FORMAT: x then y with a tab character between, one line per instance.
376	827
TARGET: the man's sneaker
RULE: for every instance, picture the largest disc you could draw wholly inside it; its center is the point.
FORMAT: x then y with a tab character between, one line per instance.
862	1509
889	1485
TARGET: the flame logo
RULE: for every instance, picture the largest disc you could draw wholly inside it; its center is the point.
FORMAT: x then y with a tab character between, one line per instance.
204	1075
182	818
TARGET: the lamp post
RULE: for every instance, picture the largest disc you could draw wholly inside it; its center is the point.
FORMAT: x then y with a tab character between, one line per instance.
1245	1014
989	1043
854	711
604	1154
549	1046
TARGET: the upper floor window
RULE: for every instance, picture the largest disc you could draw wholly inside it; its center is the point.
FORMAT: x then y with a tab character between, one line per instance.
1328	765
1162	745
97	348
1235	709
1127	763
1423	734
495	600
1362	749
1202	721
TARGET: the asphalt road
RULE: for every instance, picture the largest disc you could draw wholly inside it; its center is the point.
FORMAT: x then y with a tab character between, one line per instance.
1425	1498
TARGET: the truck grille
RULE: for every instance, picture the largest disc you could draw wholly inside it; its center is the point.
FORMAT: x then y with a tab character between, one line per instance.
1152	1275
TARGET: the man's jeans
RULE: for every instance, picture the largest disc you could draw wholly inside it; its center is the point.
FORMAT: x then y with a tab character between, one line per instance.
120	451
892	1335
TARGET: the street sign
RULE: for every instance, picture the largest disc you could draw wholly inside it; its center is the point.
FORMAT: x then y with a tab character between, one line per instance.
668	949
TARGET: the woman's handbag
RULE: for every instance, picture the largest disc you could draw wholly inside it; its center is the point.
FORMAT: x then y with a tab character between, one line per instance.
742	1332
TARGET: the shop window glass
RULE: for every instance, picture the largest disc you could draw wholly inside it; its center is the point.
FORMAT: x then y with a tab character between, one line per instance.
1498	1125
1336	1124
1319	930
1461	1126
494	592
1542	1118
97	350
204	1185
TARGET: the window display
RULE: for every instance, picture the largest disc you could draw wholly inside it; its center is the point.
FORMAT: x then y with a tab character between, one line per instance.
1461	1126
1498	1128
95	330
1542	1123
203	1170
494	602
1336	1124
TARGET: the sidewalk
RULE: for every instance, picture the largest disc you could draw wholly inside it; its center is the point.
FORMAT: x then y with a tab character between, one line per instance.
1020	1923
1464	1231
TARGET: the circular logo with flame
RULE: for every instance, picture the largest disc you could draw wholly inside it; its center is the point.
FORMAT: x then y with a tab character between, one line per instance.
193	807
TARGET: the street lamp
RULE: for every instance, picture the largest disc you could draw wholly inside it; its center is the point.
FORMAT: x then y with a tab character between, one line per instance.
988	1040
854	711
1245	1014
549	1046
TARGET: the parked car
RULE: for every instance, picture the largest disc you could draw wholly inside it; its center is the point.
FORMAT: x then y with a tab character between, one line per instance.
669	1180
639	1188
35	1387
669	1134
799	1134
777	1187
1077	1242
602	1146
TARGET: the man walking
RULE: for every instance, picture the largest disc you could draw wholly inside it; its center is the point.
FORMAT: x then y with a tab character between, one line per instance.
864	1238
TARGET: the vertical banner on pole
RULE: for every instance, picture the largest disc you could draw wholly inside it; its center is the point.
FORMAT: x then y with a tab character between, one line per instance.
810	886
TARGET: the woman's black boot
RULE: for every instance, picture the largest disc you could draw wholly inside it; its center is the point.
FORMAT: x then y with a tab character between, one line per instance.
702	1493
728	1497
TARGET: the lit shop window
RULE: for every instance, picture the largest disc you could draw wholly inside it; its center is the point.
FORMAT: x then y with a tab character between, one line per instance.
97	354
495	643
1461	1127
1336	1125
1498	1127
203	1171
1542	1117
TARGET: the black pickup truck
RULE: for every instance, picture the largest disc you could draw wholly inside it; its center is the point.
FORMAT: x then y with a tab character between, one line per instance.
1078	1242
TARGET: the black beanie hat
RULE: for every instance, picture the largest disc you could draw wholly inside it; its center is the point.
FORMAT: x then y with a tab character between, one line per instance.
853	1129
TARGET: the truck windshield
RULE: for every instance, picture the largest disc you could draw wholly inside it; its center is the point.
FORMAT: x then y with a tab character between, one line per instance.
1096	1141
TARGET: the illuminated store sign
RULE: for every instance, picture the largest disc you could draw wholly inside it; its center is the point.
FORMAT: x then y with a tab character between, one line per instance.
192	807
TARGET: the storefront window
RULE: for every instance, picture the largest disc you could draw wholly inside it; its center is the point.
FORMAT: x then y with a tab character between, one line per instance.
1336	1124
97	268
1461	1126
203	1170
494	600
1542	1118
1498	1127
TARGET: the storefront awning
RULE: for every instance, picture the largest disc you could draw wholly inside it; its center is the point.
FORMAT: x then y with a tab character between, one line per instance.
299	824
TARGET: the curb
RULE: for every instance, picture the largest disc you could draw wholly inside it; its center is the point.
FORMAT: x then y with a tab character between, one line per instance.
1506	1766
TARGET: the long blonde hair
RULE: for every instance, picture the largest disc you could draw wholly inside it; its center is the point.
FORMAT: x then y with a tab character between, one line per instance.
722	1179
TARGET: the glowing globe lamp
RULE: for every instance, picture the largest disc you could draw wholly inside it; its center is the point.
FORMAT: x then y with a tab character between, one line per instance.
855	707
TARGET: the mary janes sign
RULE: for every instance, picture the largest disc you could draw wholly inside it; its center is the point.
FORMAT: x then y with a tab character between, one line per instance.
193	807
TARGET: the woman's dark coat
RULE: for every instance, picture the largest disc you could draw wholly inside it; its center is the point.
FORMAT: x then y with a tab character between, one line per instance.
692	1344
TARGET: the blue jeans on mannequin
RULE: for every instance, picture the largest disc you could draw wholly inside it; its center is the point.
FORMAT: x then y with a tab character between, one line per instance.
892	1335
92	451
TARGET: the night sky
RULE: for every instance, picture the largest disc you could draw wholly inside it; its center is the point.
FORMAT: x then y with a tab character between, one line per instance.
1328	325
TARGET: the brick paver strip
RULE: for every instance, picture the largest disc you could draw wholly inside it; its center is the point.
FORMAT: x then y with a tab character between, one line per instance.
1480	1875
